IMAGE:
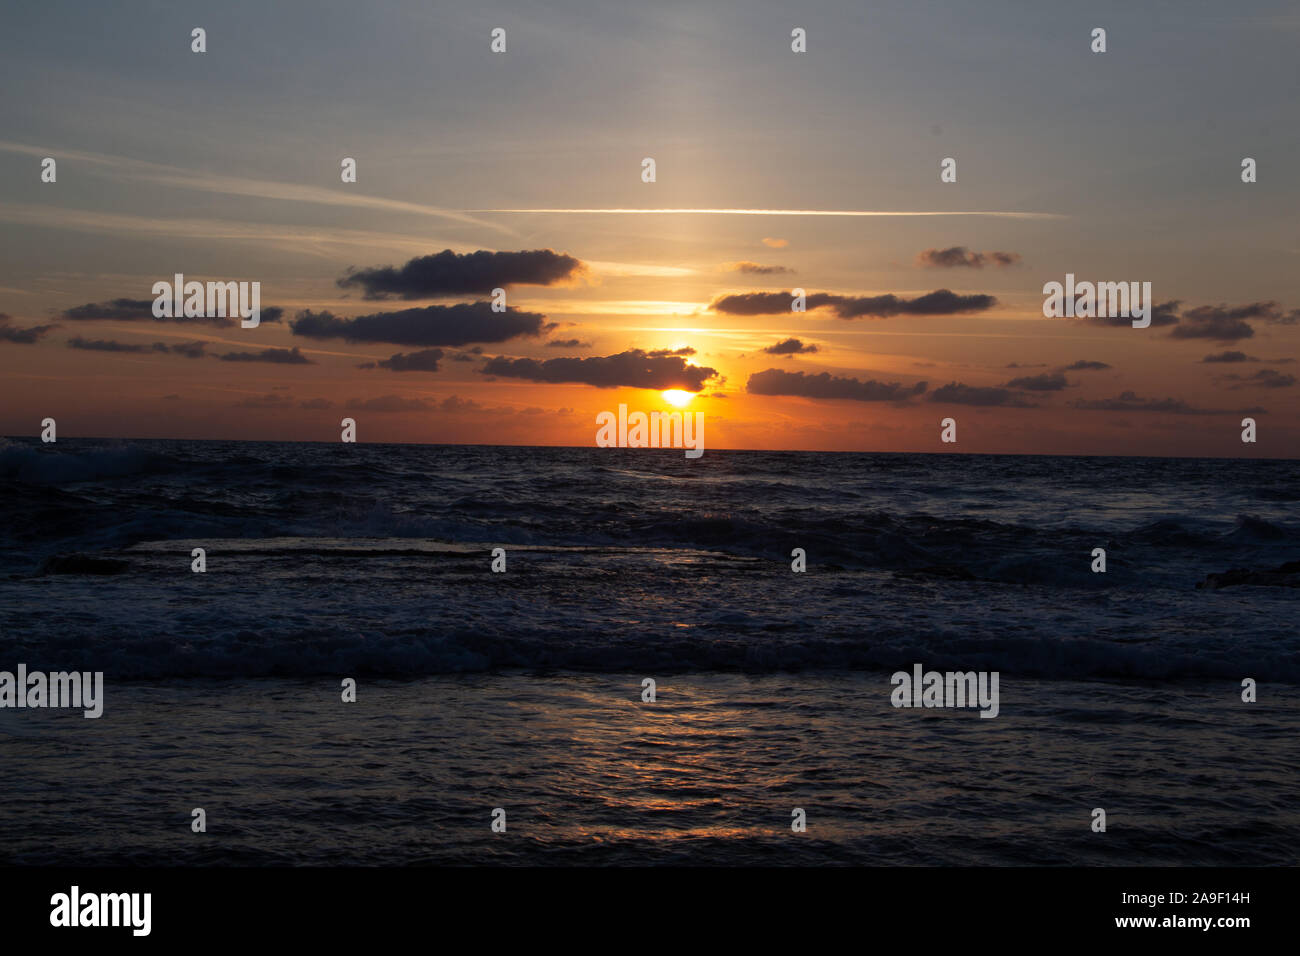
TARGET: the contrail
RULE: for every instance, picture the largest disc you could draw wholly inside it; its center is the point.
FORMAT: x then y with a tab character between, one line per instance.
121	167
778	212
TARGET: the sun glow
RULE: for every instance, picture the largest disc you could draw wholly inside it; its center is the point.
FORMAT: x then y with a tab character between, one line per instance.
675	396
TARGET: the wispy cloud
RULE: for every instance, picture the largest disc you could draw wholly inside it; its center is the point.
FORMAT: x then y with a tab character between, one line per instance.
303	239
122	167
1004	214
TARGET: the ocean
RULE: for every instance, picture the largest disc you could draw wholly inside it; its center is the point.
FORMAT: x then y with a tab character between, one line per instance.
522	690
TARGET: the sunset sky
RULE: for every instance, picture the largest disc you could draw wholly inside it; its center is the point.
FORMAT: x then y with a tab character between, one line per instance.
1121	166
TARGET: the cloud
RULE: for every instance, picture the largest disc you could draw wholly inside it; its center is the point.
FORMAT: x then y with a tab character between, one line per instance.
939	302
1225	323
753	268
134	310
269	400
634	368
389	403
316	403
718	211
957	393
431	326
1230	357
1264	378
187	349
1130	402
476	273
1084	365
1163	313
115	309
774	381
454	403
178	177
790	347
1046	382
776	243
960	256
107	345
274	356
567	344
1222	323
17	336
426	361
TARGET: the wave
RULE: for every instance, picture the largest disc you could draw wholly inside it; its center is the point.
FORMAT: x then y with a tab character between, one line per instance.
414	652
23	463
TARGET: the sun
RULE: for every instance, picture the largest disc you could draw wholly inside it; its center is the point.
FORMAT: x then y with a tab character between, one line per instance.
675	396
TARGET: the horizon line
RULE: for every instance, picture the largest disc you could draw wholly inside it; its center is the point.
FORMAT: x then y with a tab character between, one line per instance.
28	439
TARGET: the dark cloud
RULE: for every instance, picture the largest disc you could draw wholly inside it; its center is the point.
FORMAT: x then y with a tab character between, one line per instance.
1230	357
133	310
960	256
754	269
316	403
17	336
107	345
1130	402
790	347
1046	382
1163	313
1085	365
939	302
274	356
957	393
185	349
389	403
269	400
567	344
659	353
774	381
426	361
1264	378
475	273
1026	365
1221	323
1224	323
634	368
116	309
454	403
431	326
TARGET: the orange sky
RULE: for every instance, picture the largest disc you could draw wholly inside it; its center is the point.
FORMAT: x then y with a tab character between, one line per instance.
767	157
